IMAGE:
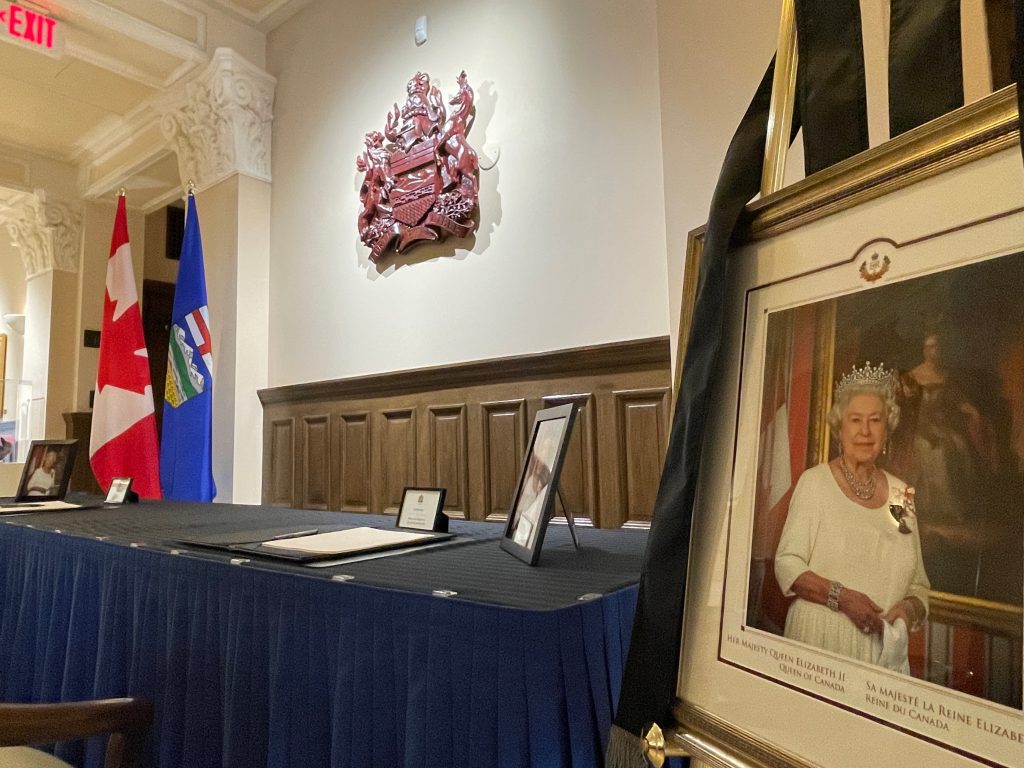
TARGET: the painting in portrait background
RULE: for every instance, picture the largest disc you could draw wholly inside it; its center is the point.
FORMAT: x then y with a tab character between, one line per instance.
956	339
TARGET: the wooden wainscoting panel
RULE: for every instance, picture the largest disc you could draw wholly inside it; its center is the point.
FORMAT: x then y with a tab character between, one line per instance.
446	459
642	416
352	461
464	427
396	468
316	455
504	440
578	482
282	462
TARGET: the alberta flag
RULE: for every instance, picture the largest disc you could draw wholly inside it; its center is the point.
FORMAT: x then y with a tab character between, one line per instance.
123	441
186	448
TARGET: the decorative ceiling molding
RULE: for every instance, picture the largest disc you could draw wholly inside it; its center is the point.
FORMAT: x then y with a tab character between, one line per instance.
269	15
48	233
134	145
113	63
135	28
219	121
15	172
162	200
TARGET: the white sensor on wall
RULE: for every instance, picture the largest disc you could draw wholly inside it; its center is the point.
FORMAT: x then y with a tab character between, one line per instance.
421	30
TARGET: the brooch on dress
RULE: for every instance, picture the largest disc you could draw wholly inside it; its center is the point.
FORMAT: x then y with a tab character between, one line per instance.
899	514
901	507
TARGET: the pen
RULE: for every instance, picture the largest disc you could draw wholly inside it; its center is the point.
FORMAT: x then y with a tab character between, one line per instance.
295	534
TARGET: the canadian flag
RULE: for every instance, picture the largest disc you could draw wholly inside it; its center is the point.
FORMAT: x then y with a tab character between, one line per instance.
123	442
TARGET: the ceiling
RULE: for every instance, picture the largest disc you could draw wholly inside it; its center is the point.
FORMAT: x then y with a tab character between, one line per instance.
114	57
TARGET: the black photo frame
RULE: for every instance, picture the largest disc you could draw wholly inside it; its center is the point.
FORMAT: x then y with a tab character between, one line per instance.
47	470
423	510
534	499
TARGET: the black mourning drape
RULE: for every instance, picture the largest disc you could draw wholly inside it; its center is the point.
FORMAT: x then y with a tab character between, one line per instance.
926	77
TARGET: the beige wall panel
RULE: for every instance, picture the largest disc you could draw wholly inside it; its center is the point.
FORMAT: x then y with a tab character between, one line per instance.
566	104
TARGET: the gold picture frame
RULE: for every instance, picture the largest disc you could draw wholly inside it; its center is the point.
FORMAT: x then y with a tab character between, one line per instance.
839	212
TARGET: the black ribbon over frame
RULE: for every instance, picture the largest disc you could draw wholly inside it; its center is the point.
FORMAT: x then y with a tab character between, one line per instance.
830	81
926	74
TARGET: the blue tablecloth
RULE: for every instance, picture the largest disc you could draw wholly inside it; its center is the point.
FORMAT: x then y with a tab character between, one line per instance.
251	666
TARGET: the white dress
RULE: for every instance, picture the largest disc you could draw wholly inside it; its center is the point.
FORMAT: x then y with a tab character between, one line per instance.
40	480
861	548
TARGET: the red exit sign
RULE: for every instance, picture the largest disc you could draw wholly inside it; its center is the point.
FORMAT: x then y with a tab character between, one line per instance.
26	26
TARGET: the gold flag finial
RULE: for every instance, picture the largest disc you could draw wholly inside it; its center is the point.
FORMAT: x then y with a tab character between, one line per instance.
191	187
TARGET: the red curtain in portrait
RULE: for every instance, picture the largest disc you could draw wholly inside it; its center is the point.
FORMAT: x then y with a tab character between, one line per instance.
785	419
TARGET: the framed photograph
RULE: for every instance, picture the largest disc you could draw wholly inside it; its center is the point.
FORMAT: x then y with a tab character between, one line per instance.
534	499
901	270
47	470
423	510
120	491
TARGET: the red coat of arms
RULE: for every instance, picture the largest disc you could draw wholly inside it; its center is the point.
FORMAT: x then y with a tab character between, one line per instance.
420	175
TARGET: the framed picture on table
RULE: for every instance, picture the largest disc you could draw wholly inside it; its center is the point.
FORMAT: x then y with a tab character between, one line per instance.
537	487
47	471
907	260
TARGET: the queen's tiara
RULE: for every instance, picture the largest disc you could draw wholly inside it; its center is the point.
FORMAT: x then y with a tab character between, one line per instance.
870	376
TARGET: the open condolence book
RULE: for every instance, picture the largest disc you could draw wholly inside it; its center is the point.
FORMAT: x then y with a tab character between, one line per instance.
315	545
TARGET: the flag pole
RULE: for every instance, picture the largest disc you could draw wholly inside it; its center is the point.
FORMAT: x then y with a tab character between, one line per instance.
780	114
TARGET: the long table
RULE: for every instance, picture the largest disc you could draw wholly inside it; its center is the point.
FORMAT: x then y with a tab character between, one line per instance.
458	655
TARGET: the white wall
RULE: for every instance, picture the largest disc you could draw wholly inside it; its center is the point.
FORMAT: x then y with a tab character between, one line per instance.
36	368
571	245
712	57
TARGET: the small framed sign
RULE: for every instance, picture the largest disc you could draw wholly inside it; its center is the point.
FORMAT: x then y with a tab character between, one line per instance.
538	483
423	510
121	491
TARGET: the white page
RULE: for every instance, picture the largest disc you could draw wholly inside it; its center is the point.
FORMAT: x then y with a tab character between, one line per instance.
350	540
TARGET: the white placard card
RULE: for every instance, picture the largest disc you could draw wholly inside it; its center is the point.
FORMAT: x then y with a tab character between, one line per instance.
423	510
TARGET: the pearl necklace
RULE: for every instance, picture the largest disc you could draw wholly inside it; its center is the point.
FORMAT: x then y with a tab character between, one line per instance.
862	490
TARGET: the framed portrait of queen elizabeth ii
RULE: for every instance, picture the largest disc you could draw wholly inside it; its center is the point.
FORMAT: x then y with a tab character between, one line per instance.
858	540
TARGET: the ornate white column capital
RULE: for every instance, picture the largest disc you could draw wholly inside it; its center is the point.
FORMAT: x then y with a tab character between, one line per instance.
48	233
219	121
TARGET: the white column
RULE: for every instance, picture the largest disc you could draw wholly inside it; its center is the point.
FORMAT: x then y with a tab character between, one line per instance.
48	235
219	124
